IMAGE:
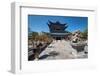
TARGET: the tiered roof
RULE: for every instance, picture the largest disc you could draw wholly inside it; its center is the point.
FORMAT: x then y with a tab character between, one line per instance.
57	27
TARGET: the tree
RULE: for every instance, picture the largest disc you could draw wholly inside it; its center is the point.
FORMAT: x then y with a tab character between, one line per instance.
32	35
85	34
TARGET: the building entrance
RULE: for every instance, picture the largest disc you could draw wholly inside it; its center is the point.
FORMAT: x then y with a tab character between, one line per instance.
58	38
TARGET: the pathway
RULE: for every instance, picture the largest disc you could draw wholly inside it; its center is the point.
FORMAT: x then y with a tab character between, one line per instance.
60	49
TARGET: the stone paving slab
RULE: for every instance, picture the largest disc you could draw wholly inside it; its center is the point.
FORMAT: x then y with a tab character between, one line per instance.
60	49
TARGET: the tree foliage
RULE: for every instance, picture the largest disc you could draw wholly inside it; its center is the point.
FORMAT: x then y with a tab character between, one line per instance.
85	34
43	36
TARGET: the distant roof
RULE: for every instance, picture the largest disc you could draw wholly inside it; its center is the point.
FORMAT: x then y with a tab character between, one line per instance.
56	23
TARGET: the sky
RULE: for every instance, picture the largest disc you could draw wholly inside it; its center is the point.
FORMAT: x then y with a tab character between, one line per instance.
38	23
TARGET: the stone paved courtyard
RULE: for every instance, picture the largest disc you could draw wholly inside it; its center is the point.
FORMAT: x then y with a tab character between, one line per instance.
60	49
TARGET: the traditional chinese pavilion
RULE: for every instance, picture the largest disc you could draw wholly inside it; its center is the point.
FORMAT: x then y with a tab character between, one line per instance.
57	30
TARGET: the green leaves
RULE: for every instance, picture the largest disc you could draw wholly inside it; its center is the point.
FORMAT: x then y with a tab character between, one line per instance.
85	34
